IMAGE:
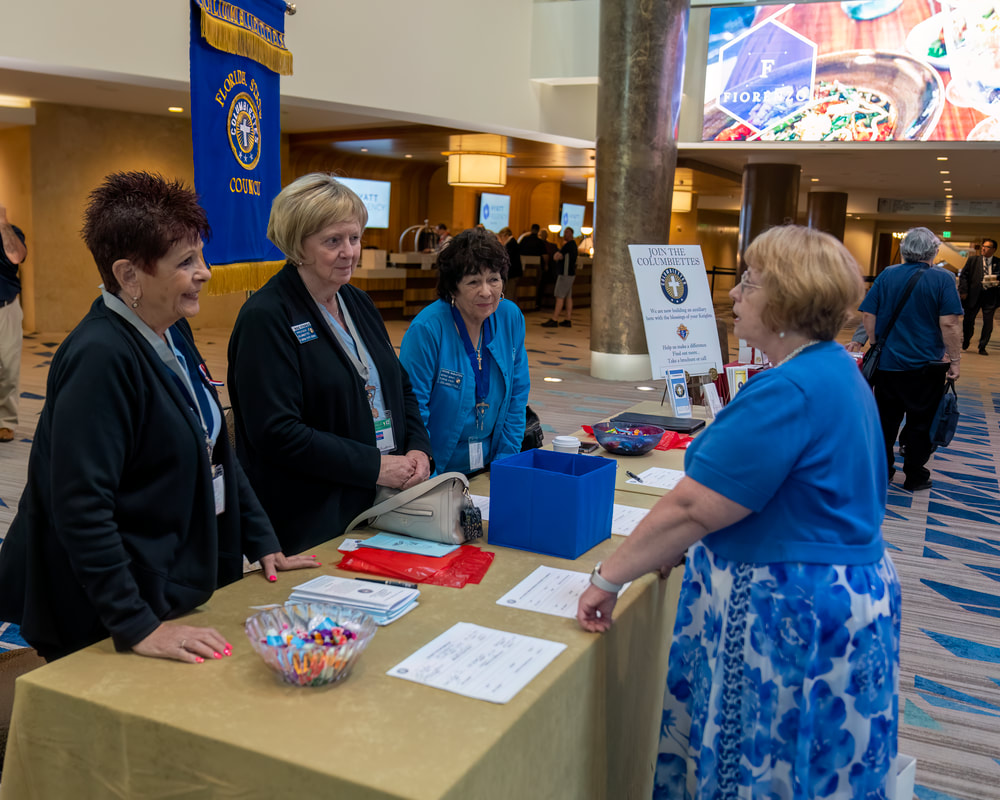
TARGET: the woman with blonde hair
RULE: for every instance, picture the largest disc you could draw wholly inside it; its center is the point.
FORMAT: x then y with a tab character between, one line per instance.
785	656
324	411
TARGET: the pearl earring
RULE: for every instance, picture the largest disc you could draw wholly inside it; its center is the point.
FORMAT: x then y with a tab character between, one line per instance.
135	302
781	335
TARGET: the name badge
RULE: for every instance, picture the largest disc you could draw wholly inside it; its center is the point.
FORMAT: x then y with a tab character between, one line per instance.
475	455
304	332
448	377
383	434
219	489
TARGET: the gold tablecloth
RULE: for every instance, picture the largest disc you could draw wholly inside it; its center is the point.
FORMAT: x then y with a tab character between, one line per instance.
100	724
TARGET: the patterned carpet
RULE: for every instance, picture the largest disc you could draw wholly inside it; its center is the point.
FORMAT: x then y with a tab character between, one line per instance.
945	543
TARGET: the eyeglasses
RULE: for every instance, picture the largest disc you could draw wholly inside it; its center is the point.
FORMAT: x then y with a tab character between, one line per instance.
746	283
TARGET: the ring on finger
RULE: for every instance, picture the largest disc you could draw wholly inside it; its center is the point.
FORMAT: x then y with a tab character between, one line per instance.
183	642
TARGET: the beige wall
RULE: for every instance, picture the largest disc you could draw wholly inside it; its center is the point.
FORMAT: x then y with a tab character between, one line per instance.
72	149
15	196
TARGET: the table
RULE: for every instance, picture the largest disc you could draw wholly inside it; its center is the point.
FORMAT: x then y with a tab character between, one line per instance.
101	724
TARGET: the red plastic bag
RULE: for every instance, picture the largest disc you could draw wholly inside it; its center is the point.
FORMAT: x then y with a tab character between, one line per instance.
468	564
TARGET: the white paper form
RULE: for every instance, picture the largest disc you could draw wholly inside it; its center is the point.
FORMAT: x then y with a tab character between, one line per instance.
478	662
659	478
625	518
548	590
482	502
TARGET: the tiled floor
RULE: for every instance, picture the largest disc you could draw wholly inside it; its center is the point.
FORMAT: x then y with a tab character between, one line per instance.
945	542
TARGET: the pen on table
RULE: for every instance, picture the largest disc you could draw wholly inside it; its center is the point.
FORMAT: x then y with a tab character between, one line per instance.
633	476
404	584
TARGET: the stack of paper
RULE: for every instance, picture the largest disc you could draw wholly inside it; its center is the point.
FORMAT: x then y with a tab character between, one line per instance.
384	603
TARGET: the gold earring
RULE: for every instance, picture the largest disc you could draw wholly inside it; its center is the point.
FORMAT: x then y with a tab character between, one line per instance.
501	295
453	301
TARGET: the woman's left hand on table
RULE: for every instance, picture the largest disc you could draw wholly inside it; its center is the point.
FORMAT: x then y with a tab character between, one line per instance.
274	563
595	608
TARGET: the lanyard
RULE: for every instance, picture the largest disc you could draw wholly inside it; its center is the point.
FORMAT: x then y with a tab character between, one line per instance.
480	370
198	400
359	362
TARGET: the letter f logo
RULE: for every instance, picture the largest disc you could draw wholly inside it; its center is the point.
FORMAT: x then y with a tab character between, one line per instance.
766	65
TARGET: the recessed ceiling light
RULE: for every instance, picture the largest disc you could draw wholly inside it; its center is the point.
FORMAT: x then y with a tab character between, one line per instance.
814	180
946	181
942	158
175	110
408	155
646	388
944	172
364	149
552	380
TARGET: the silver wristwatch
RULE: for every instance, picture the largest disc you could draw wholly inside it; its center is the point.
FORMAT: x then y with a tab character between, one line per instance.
603	583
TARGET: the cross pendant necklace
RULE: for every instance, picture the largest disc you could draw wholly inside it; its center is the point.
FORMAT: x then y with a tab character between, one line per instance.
479	351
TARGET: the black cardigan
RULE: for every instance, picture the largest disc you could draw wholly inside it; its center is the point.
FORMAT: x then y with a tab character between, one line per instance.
116	529
304	429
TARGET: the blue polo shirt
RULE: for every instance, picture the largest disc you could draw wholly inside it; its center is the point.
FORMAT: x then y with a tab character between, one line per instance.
915	340
801	446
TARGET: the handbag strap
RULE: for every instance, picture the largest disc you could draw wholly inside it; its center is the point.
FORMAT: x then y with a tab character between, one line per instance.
914	279
404	497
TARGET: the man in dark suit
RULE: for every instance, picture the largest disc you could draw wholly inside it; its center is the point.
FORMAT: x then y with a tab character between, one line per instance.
978	288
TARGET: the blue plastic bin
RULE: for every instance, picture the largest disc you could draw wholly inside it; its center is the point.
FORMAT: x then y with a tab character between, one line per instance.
553	503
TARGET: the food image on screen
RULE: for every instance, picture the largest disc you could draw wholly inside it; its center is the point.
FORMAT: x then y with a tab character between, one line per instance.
838	113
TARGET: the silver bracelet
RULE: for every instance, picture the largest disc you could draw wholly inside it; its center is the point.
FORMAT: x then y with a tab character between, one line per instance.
603	583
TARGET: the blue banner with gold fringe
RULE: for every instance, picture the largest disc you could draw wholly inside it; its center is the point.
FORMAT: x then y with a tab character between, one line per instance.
237	53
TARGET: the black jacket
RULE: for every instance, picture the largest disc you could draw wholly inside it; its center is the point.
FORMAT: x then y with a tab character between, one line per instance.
116	529
970	280
304	429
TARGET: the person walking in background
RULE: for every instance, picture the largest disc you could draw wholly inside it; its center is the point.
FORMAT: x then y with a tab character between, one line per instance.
506	237
919	352
12	255
565	261
978	289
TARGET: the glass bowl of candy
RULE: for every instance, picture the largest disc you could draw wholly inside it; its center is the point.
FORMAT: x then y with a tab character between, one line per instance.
627	440
310	644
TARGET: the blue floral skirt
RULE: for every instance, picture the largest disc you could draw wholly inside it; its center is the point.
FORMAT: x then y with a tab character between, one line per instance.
782	683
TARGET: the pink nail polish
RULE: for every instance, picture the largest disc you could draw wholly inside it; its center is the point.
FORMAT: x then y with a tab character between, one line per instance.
198	660
227	652
272	578
216	655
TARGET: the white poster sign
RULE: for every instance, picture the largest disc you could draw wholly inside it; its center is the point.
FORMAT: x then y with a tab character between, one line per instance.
677	309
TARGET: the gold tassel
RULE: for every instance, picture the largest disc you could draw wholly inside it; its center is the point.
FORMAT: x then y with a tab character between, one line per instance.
243	277
233	39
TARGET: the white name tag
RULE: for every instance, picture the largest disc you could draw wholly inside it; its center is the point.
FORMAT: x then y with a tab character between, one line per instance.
219	489
383	434
475	455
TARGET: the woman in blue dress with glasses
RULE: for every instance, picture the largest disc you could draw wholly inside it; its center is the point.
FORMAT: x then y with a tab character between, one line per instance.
784	663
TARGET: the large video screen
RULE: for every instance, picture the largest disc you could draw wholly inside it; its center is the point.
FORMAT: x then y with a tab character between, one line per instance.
859	70
572	215
375	196
494	211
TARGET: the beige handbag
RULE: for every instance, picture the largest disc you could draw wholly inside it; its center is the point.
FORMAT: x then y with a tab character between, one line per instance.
439	510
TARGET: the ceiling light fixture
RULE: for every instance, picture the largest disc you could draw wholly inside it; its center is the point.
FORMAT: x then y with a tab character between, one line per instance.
175	110
942	158
477	160
555	227
944	172
552	380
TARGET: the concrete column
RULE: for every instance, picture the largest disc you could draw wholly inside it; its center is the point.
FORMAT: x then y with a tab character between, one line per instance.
640	70
770	197
827	211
